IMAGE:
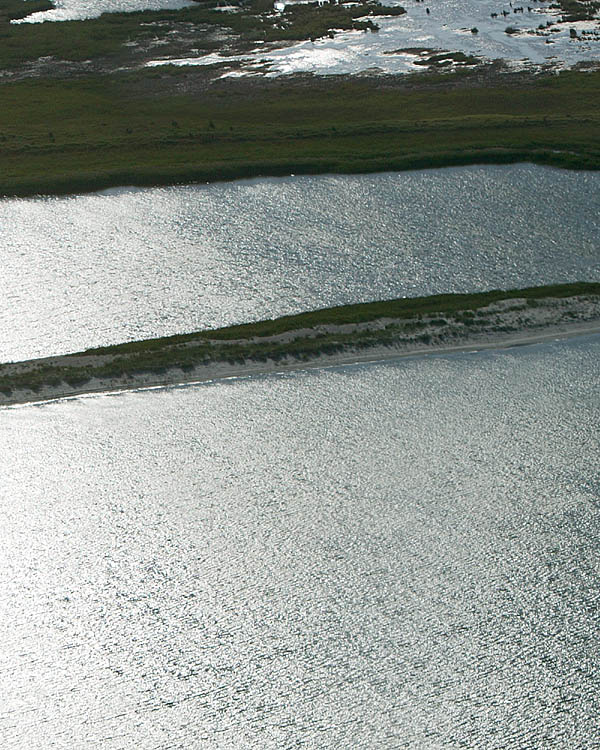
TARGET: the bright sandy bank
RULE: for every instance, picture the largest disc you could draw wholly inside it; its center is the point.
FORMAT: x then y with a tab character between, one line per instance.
504	324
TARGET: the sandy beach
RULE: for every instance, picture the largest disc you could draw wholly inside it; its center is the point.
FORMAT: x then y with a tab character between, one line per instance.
523	325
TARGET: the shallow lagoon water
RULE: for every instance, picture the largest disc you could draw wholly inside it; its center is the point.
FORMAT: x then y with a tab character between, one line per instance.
98	269
446	28
391	555
70	10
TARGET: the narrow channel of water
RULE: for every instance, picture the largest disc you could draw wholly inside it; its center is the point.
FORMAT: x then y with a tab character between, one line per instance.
127	264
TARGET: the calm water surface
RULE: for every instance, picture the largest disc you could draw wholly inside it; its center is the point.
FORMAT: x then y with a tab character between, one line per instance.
377	556
98	269
68	10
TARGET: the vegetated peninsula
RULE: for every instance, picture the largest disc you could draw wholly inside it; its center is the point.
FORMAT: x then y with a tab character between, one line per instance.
350	333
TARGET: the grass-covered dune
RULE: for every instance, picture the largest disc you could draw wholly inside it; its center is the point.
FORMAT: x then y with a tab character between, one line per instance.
159	127
441	321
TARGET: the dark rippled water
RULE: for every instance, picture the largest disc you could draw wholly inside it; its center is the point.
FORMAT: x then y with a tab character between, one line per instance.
377	556
98	269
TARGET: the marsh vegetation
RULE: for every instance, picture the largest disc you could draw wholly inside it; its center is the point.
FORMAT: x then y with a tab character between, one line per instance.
124	39
154	128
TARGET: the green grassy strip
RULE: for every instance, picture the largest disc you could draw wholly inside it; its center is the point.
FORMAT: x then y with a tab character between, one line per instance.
243	343
88	134
404	308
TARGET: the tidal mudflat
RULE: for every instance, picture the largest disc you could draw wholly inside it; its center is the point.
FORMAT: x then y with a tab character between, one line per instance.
410	43
540	34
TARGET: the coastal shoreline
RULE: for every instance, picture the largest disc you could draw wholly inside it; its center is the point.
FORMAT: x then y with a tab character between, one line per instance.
219	371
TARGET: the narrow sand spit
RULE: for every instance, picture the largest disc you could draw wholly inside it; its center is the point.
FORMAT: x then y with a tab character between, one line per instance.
507	323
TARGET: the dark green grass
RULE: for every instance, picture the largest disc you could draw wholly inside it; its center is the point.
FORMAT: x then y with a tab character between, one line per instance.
446	58
243	343
87	134
578	10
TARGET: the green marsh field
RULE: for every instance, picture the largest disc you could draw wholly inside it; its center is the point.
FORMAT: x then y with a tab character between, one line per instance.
61	136
72	126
